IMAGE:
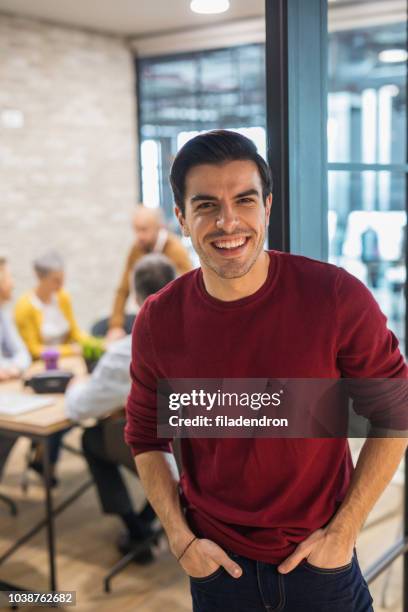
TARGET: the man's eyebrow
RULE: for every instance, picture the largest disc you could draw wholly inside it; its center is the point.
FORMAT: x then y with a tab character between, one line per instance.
249	192
199	197
202	196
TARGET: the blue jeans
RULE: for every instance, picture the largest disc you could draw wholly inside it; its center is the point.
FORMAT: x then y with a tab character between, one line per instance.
262	588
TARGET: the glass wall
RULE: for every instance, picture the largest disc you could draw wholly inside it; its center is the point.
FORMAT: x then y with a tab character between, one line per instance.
181	95
367	157
367	206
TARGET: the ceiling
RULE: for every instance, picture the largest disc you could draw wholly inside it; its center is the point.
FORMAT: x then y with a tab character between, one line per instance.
128	17
142	20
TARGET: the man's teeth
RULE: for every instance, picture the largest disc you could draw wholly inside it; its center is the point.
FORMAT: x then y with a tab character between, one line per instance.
231	244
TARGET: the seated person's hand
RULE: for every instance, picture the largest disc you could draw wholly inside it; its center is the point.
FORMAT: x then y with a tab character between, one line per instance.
115	333
9	373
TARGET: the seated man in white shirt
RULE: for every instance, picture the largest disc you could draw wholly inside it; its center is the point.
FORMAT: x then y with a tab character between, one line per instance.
103	393
14	357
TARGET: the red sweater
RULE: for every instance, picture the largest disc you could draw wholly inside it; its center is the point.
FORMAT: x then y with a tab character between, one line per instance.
259	497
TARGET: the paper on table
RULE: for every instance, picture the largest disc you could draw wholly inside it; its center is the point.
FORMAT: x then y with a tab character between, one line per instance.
12	404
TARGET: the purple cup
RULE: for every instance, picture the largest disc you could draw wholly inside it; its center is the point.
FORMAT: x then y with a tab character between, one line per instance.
50	358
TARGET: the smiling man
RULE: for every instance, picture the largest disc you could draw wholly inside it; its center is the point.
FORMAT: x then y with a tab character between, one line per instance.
257	524
230	245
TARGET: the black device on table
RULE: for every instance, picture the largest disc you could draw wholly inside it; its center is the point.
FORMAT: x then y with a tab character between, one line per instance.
50	381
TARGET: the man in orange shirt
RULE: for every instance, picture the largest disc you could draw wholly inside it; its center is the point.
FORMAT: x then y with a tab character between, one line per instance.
151	237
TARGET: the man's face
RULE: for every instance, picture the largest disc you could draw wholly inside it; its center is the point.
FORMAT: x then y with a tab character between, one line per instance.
6	283
225	216
146	227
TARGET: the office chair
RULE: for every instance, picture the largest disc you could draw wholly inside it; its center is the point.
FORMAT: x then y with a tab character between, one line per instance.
130	556
153	539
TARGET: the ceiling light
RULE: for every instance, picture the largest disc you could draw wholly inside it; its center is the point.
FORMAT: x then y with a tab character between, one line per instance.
209	7
393	56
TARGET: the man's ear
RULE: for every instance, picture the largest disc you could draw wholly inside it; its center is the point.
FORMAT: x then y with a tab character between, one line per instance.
182	221
268	206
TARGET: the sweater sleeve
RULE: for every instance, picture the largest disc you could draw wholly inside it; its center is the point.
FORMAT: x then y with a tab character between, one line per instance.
141	407
25	319
368	353
117	318
366	348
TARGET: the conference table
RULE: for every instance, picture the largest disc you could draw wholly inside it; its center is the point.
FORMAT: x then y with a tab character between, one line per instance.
39	425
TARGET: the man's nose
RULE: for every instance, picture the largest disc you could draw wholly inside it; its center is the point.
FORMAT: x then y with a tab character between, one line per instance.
227	220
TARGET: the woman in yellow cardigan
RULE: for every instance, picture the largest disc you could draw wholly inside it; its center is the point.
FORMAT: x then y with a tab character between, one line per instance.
44	316
45	319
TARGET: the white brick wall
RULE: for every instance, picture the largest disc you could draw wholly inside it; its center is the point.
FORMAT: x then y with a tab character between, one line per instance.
68	176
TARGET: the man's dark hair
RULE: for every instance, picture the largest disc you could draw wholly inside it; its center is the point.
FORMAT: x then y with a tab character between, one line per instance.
152	273
215	147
